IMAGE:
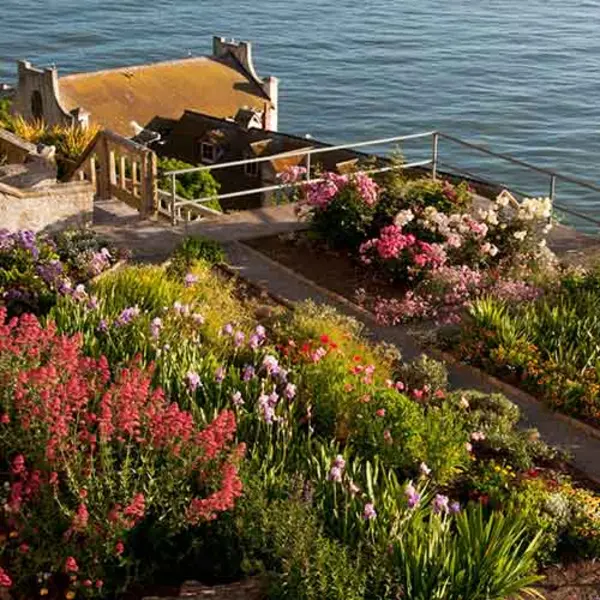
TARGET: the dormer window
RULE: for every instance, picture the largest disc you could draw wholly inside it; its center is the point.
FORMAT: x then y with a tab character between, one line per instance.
208	152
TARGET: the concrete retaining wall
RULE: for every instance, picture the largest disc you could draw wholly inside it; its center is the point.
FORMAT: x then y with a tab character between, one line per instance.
49	209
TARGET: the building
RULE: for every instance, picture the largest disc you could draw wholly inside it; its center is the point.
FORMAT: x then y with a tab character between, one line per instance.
126	99
201	139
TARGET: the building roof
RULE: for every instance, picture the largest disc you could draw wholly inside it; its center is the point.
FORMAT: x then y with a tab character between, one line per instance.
116	97
236	142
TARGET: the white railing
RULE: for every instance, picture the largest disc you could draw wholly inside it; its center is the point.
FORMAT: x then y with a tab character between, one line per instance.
433	163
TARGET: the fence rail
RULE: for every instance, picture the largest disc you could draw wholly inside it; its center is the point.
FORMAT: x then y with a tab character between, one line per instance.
433	163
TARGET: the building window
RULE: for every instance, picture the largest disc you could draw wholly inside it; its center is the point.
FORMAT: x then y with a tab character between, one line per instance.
37	107
251	169
208	152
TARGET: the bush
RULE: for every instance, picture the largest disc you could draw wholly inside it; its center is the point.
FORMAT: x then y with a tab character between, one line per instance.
190	186
91	461
439	194
35	269
283	535
192	249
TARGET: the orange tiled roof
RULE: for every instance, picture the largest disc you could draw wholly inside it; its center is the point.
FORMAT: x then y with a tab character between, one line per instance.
118	96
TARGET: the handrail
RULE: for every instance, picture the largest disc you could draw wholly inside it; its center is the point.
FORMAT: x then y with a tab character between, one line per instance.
517	161
433	163
302	152
280	186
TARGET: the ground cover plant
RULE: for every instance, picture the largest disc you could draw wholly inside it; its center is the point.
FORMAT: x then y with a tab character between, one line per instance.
36	268
549	346
288	446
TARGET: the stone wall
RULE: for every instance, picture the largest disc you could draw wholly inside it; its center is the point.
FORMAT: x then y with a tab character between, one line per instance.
46	209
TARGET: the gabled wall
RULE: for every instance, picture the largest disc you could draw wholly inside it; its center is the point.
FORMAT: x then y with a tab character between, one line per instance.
45	83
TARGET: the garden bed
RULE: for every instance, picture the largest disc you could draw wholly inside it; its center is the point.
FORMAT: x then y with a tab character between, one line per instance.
335	270
205	433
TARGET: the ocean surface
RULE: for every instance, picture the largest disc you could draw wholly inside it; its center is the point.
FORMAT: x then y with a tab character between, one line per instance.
517	77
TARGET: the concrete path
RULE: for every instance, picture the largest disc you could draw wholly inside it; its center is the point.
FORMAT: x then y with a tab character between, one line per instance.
154	241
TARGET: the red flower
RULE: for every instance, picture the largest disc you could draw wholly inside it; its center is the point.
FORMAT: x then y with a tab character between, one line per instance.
325	339
137	507
119	548
71	565
99	583
87	583
24	548
5	580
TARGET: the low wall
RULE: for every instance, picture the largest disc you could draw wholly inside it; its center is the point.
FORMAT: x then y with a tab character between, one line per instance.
50	209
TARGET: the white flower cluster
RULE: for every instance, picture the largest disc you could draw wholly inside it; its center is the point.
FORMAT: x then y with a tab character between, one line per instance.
403	218
532	209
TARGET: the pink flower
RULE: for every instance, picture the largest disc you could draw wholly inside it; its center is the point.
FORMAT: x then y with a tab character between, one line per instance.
18	464
119	548
5	580
369	512
380	412
71	565
137	507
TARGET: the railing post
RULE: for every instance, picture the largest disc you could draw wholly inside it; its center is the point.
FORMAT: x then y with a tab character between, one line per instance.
173	200
434	154
308	165
552	188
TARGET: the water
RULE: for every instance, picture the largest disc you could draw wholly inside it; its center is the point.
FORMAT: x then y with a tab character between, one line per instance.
522	78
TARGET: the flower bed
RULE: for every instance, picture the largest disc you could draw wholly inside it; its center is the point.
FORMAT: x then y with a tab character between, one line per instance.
35	268
549	346
432	240
363	476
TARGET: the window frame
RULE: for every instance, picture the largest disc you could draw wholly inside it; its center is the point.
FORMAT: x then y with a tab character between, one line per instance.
213	157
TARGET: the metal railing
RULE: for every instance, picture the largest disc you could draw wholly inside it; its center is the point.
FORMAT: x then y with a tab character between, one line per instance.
434	163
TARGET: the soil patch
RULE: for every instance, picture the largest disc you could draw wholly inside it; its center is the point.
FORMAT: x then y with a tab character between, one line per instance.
578	581
335	270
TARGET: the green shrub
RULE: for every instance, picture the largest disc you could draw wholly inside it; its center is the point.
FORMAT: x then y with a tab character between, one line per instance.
282	535
192	249
346	220
190	186
424	372
6	118
440	194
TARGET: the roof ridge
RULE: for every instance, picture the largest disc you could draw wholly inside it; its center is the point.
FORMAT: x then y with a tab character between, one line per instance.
174	61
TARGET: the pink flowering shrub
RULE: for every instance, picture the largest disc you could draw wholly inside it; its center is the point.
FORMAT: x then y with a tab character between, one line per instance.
91	458
341	207
447	292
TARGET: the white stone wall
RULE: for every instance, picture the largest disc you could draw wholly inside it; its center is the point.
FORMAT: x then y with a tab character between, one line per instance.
48	209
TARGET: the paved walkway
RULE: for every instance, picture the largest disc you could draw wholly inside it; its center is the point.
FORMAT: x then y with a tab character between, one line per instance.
154	240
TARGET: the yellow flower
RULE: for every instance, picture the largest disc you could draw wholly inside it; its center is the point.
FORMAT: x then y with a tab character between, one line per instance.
13	534
44	592
70	595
